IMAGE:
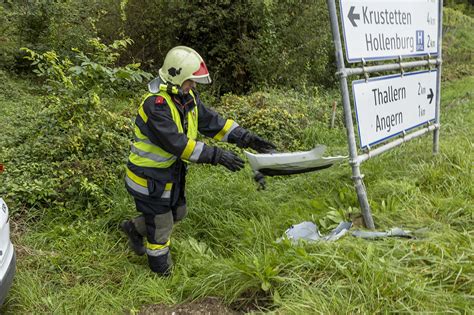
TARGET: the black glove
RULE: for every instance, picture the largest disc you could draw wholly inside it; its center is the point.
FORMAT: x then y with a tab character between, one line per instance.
260	179
250	140
228	159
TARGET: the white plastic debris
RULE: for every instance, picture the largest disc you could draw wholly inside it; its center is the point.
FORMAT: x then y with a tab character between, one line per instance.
309	232
395	232
292	163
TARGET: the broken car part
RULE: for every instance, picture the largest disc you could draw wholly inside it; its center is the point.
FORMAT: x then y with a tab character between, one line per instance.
309	231
274	164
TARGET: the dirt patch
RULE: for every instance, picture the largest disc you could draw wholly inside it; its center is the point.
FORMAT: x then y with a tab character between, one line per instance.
252	301
357	220
207	306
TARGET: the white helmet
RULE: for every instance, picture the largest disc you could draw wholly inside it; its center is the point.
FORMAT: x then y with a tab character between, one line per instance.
183	63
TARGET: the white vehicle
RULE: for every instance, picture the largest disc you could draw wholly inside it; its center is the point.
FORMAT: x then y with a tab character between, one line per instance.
7	253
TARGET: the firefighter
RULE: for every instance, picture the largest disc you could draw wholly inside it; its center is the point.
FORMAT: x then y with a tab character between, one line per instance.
166	128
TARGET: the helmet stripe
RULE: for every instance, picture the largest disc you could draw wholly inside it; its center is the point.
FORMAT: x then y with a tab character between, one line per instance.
202	69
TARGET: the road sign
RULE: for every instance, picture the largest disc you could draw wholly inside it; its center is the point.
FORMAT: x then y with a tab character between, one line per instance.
385	29
388	105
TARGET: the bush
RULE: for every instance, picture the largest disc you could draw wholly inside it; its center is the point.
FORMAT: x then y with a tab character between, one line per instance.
281	117
293	48
85	74
75	148
245	44
44	25
7	39
215	30
464	6
458	45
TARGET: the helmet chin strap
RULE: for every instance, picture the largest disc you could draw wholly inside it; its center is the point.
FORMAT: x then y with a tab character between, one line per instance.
172	89
157	85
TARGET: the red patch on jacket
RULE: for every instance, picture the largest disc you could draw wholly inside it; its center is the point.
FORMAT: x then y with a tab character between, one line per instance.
159	100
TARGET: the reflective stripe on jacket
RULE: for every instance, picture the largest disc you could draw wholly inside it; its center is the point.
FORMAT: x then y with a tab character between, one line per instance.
166	129
140	185
147	154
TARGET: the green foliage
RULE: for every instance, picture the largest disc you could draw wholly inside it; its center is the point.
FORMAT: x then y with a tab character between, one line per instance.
72	262
93	71
458	44
245	44
75	147
283	117
464	6
43	25
267	115
64	147
215	30
7	39
293	47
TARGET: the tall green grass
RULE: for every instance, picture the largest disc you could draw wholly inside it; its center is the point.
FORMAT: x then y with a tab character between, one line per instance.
226	246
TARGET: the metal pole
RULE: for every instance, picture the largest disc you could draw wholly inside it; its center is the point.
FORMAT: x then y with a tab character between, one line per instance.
392	66
438	83
356	175
333	113
364	157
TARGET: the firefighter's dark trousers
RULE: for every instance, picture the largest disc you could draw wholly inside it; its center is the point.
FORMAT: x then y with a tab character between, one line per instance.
156	224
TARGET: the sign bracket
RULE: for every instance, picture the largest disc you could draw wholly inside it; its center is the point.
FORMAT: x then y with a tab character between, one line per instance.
428	57
402	72
388	67
368	151
366	74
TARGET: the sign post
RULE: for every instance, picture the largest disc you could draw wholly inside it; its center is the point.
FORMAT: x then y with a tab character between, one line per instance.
391	105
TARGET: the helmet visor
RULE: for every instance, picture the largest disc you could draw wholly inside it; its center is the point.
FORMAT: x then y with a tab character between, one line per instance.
203	80
201	75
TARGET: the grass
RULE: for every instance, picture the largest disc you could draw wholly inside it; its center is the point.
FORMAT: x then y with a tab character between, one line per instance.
226	246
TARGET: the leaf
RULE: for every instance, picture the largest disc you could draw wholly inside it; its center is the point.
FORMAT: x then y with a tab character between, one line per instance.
76	69
277	298
266	286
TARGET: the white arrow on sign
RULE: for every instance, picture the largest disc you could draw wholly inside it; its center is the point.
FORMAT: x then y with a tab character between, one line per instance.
388	105
384	29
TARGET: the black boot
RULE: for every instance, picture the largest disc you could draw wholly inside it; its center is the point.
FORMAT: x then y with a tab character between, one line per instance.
161	264
135	240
